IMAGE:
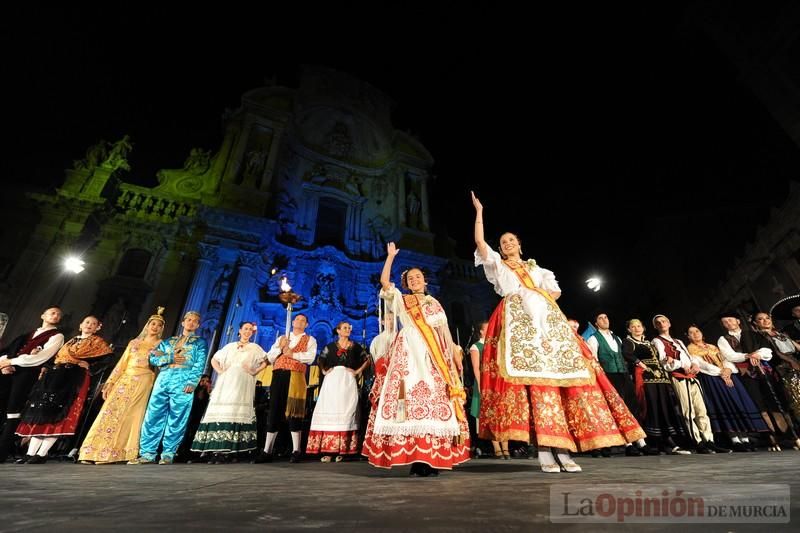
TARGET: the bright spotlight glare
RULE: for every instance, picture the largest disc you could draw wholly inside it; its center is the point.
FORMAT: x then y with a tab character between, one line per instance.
594	284
74	264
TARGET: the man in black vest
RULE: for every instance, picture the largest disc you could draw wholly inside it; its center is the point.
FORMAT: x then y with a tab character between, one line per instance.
683	369
20	364
750	353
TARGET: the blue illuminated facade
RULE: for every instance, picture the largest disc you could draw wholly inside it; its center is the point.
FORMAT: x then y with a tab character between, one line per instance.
309	182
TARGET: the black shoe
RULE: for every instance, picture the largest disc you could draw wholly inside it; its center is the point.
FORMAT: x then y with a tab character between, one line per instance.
595	453
263	457
605	452
751	445
718	449
23	460
703	448
649	450
739	447
295	457
423	470
37	460
632	451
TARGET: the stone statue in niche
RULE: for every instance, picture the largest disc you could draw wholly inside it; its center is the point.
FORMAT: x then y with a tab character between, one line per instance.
323	292
413	206
221	286
198	161
254	163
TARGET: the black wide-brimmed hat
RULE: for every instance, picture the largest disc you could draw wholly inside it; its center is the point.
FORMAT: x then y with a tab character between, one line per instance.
782	310
730	313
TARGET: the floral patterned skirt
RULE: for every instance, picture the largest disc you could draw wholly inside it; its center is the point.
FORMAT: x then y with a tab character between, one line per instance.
577	418
386	451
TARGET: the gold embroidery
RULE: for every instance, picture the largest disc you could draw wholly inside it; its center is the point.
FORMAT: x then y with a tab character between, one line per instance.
534	352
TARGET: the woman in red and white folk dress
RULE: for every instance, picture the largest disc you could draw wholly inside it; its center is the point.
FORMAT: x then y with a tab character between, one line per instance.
535	377
419	417
334	424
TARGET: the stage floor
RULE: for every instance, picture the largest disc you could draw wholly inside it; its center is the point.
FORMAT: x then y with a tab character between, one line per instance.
482	495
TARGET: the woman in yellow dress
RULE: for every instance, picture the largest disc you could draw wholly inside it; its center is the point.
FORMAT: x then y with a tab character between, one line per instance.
114	436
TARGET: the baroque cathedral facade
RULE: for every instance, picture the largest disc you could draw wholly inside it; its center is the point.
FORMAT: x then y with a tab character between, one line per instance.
309	183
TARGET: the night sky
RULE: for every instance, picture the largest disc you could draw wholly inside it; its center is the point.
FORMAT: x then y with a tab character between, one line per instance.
634	99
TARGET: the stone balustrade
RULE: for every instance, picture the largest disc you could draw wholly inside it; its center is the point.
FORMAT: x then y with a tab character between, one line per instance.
149	205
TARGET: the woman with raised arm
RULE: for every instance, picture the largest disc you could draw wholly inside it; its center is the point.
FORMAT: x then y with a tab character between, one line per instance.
533	365
419	418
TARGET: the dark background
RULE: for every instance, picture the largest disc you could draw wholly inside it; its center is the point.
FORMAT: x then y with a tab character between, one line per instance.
608	138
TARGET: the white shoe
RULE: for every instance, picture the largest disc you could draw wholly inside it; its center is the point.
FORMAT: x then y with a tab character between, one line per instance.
677	450
571	466
550	468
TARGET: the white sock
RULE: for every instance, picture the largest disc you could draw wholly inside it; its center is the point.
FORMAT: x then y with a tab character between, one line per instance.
46	445
735	439
564	457
546	457
33	446
745	439
296	441
270	442
641	443
627	444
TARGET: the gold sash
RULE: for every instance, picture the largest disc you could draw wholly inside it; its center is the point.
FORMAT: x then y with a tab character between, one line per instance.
525	278
455	390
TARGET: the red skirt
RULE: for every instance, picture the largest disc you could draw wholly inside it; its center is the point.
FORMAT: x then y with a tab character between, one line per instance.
577	418
333	442
67	425
386	451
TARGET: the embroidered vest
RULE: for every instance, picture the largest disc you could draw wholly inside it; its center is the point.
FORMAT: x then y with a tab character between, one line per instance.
287	363
673	353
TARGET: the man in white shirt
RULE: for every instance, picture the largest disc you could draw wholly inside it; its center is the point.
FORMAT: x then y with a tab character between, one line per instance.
290	358
750	353
683	368
21	364
607	349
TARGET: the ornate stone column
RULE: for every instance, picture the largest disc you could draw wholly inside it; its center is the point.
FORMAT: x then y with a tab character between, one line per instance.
198	292
240	299
424	211
401	199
